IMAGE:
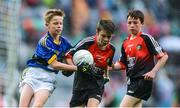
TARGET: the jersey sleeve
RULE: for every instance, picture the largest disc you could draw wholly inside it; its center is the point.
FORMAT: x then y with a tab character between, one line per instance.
154	47
123	58
112	56
66	44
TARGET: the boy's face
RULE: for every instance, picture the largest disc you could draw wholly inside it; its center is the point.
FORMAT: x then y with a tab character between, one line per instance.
55	25
103	37
133	25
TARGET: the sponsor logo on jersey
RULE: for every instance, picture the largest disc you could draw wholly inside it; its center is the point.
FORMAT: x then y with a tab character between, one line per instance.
129	91
98	96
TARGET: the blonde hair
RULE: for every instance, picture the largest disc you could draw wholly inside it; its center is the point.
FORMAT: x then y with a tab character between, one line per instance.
50	13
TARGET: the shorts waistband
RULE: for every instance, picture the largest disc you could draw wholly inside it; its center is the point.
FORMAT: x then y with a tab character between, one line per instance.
137	78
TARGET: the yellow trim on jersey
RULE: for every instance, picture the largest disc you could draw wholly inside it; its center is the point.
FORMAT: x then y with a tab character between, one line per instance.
52	59
43	42
57	42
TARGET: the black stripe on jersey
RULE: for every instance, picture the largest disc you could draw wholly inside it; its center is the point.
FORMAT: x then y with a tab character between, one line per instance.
113	49
82	42
152	39
123	56
152	45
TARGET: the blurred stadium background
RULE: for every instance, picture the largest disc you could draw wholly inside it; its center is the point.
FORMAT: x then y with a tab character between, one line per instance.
21	26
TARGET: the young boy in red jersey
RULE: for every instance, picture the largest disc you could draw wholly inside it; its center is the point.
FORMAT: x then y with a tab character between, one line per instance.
138	52
88	86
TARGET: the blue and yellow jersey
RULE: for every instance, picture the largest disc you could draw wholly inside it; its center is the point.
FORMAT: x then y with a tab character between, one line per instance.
47	51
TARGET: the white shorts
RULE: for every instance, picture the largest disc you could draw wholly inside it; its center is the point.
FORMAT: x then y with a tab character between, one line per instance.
38	79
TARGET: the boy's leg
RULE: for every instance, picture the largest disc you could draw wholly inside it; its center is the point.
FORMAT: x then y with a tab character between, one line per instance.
77	100
26	96
40	98
138	105
93	102
129	101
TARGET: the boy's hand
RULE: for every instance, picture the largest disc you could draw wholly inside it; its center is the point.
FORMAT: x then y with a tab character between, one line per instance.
83	67
106	80
67	74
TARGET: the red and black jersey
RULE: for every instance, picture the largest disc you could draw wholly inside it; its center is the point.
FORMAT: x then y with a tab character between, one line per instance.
138	54
102	59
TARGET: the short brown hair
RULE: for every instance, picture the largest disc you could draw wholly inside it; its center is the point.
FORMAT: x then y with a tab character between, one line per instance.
52	12
137	14
106	25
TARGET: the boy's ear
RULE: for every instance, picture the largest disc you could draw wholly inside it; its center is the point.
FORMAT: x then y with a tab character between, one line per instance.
97	32
47	24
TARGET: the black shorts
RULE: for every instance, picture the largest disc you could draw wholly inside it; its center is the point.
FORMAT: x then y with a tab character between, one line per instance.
140	88
81	97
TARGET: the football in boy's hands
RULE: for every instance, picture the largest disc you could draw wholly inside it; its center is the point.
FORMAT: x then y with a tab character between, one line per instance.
83	56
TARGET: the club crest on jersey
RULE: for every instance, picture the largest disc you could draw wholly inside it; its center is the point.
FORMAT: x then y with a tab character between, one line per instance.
139	47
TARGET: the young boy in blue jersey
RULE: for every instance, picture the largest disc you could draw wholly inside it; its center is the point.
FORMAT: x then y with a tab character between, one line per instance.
38	79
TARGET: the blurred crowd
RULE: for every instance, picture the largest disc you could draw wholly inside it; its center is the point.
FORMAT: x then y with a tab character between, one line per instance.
161	21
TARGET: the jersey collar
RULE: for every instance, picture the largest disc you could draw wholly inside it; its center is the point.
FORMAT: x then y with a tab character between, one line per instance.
52	39
138	34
